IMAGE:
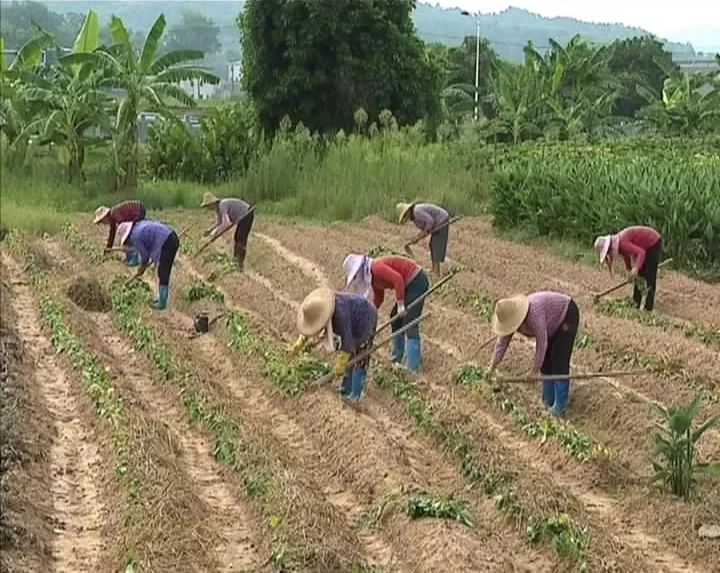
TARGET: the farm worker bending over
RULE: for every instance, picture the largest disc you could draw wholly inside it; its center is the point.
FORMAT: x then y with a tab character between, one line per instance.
427	217
551	318
156	242
408	280
350	316
127	211
642	243
231	212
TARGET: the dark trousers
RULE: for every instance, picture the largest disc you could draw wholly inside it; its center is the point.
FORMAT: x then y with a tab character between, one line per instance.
560	346
417	287
649	273
167	258
242	232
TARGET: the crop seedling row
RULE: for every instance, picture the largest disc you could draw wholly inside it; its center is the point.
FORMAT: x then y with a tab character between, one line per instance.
454	440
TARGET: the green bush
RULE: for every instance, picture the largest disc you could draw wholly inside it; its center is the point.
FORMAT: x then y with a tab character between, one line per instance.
578	192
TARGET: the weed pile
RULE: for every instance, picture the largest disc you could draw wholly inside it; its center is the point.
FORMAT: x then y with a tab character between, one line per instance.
89	294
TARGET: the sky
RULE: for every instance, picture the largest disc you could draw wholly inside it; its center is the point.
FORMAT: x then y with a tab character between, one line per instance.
697	21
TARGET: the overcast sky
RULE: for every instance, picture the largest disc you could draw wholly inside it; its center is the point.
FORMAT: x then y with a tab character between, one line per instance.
694	20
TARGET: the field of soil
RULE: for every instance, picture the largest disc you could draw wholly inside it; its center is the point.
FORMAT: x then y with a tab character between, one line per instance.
132	444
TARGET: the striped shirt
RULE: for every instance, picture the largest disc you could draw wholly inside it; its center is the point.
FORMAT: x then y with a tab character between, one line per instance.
635	242
545	315
354	320
427	216
148	237
392	273
235	209
131	211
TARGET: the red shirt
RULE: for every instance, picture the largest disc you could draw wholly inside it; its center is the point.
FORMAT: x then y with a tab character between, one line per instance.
131	211
392	273
634	242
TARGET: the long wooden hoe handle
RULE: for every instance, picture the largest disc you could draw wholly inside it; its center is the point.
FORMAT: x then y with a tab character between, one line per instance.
617	374
331	376
216	237
435	230
599	295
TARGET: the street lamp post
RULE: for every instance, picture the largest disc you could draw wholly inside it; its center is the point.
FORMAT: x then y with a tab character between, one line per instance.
477	60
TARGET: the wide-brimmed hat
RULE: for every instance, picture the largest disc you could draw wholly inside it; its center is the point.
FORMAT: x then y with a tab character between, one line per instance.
510	314
603	245
352	265
100	213
315	311
123	231
403	210
208	199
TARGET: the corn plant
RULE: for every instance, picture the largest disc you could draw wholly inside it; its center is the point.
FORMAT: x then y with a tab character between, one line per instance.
675	452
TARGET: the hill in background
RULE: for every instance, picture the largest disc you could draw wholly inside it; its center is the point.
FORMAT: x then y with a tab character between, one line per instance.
508	31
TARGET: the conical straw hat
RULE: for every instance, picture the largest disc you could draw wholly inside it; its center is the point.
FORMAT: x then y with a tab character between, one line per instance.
403	210
510	314
315	311
100	214
208	199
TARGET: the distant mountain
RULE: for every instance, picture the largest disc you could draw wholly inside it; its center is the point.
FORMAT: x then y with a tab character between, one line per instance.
508	31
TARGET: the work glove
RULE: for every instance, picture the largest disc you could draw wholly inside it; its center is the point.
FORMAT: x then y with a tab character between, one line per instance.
341	363
299	345
401	309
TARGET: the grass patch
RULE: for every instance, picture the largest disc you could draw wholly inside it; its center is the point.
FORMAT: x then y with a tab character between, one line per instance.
462	446
568	541
624	308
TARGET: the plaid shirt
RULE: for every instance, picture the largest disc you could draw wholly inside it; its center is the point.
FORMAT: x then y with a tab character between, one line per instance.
131	211
546	313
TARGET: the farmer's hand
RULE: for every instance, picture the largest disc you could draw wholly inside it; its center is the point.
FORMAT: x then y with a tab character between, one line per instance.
299	345
341	363
401	309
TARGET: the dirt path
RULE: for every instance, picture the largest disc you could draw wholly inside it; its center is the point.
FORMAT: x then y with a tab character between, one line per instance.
243	547
78	512
629	532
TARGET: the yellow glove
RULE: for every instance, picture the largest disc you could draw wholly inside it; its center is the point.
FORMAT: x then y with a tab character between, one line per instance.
299	345
341	363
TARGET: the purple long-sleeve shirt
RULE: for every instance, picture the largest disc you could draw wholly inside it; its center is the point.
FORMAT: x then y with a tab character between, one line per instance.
148	237
545	315
354	320
427	216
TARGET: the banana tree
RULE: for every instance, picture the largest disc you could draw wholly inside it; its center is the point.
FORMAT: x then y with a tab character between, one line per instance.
17	113
72	101
143	81
517	101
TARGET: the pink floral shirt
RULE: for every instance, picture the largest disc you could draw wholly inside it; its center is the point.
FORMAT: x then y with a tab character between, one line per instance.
545	315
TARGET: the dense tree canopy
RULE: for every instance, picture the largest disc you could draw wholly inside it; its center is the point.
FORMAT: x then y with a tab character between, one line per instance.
318	64
194	32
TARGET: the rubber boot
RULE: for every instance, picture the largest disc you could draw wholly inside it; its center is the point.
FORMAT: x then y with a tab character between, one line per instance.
562	394
414	354
548	393
133	259
398	350
346	386
162	298
358	383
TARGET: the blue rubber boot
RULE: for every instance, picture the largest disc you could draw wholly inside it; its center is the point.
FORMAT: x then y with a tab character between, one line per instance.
162	298
414	354
133	259
398	351
562	395
358	383
345	387
548	393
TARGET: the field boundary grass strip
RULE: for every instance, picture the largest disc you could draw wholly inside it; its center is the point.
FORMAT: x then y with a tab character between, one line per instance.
97	384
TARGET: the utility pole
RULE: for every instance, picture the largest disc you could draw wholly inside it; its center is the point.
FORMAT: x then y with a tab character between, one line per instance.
476	114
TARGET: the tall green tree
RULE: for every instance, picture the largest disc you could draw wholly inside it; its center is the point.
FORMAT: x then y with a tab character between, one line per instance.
640	60
194	32
320	60
144	81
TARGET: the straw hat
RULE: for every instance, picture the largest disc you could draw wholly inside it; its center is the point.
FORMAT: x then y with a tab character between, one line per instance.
404	209
123	231
315	311
510	314
209	199
100	214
